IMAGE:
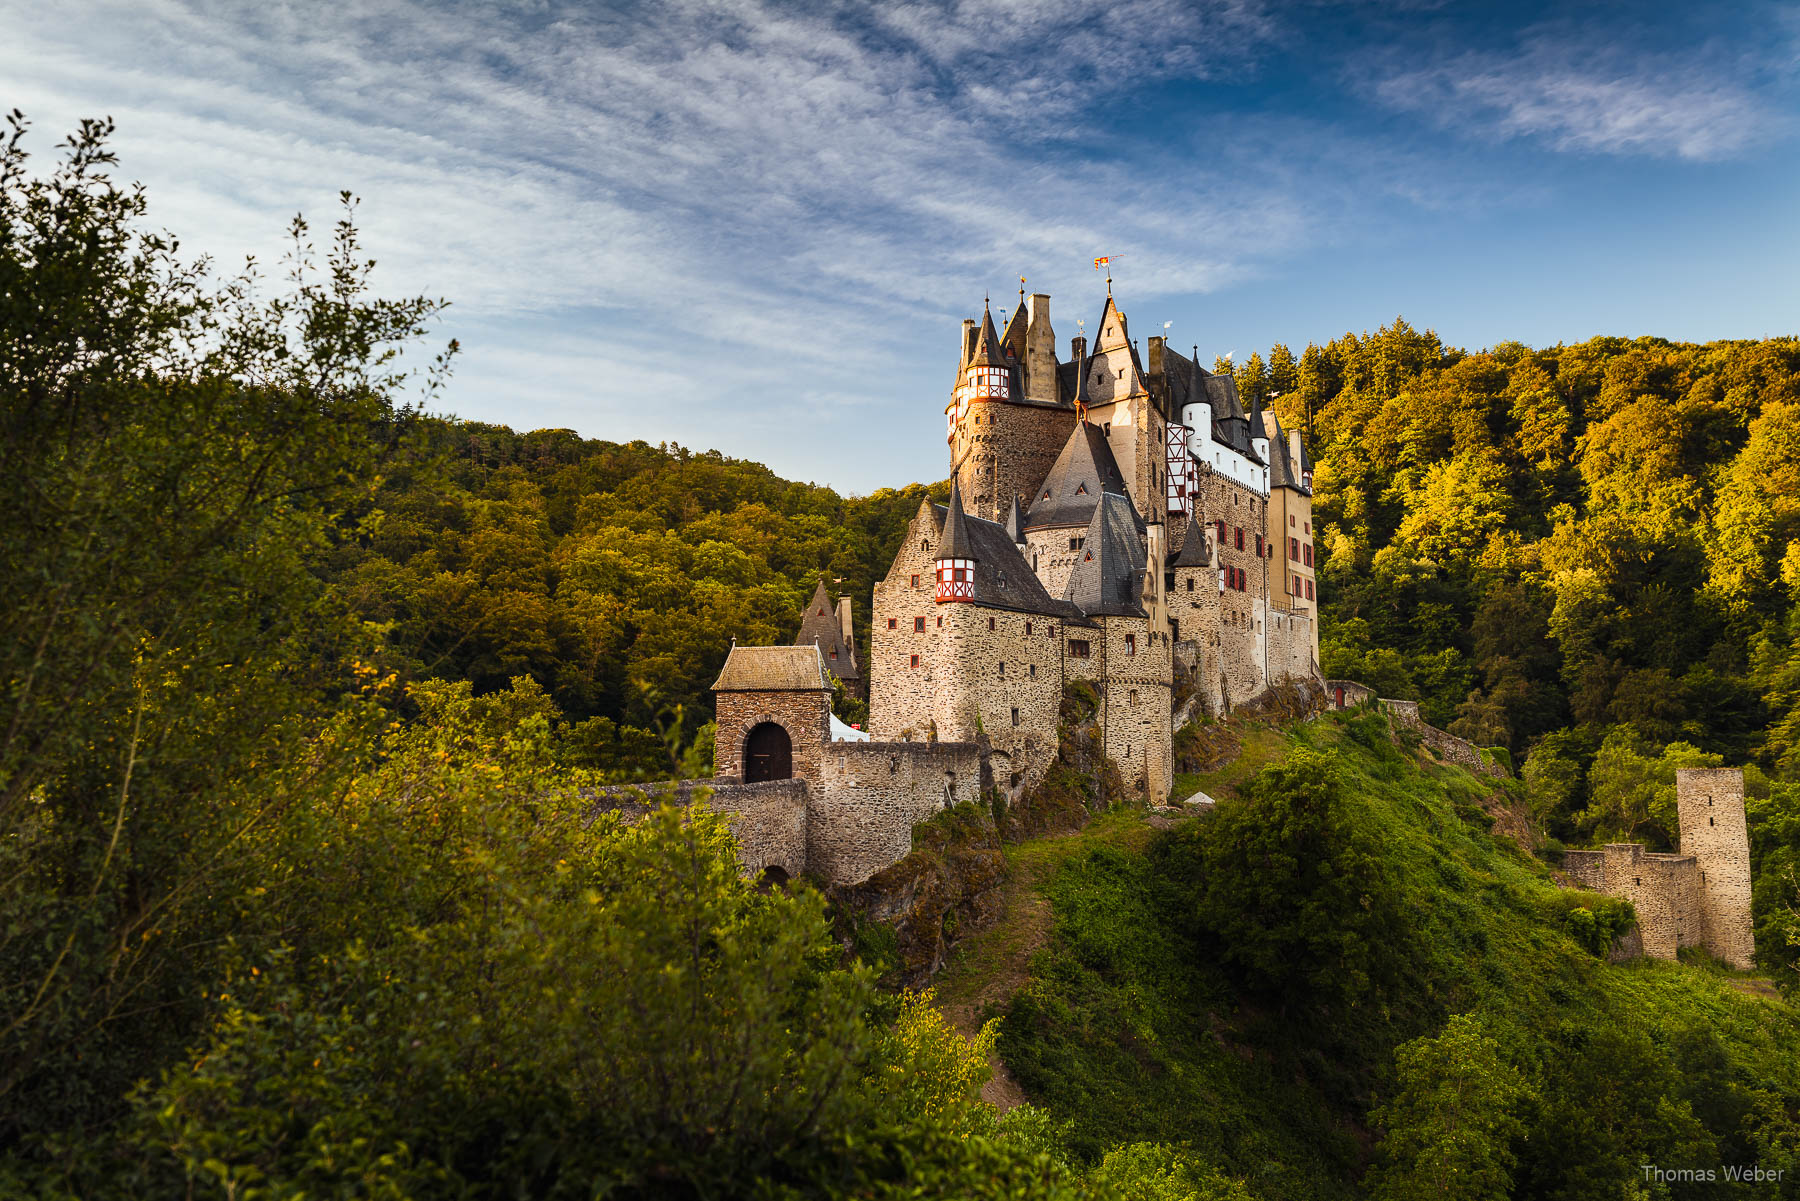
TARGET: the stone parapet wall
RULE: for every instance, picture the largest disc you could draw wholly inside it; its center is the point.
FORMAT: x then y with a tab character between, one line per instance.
1345	694
1586	868
1661	889
768	818
874	793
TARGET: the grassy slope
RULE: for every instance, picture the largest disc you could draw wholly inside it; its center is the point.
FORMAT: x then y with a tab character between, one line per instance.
1124	1025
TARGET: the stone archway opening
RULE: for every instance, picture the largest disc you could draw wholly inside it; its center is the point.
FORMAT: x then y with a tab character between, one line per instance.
772	877
768	753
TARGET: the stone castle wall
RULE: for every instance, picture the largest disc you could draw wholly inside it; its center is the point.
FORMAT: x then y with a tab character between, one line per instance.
1217	497
1050	556
1290	645
769	818
1005	449
1137	701
1661	889
1710	804
874	793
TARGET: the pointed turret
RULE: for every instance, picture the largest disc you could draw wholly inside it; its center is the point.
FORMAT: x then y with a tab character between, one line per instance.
988	351
1014	338
1015	524
956	553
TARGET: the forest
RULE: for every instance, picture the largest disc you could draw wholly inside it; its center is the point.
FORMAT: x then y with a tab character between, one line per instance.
301	893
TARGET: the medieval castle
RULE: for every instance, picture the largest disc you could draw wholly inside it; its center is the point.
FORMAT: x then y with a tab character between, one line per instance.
1117	518
1120	520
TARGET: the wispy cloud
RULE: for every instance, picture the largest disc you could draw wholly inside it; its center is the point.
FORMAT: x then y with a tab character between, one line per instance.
1581	91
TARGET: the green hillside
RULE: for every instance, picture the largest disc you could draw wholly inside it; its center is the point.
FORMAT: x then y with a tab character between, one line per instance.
1385	907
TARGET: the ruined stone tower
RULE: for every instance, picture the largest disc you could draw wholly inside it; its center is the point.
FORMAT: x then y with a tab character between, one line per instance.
1710	802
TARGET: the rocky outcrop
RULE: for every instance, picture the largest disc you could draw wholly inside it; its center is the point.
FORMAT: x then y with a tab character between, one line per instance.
947	887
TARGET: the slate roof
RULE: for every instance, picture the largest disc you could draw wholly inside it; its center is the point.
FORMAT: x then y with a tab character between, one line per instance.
1015	523
826	629
988	351
1194	552
956	542
1083	472
772	669
1003	579
1012	339
1107	580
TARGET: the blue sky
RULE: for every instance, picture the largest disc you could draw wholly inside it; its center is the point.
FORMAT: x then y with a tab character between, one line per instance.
757	227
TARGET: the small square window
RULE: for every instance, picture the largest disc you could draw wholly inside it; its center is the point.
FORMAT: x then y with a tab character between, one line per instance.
915	581
1002	667
1032	671
893	623
1015	715
918	625
915	660
1028	627
1078	648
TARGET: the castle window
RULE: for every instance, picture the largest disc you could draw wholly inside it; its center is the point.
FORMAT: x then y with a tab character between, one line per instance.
1259	546
1003	667
1131	696
915	660
1306	528
1638	880
1307	551
1309	591
1078	649
990	623
834	652
1296	585
918	625
1294	549
1711	822
1015	717
1028	627
1032	671
1190	583
1075	543
893	623
940	623
1015	779
1034	561
915	581
1174	629
1131	644
1240	537
1290	520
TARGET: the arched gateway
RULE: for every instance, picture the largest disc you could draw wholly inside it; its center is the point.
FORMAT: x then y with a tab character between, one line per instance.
768	753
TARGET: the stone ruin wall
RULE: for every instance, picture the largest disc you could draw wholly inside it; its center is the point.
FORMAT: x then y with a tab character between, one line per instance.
1662	890
1710	804
1445	745
1700	897
873	793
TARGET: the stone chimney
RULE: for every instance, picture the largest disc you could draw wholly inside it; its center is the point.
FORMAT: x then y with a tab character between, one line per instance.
844	624
1040	352
970	332
1078	348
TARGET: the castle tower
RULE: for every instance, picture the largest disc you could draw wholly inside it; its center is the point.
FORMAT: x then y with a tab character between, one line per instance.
1710	804
1118	399
956	555
1003	433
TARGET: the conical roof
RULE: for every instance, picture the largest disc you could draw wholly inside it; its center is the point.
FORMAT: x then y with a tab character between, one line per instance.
1083	472
1194	552
988	352
956	542
1015	523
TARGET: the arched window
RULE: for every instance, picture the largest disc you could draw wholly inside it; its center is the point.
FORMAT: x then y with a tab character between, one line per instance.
768	754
